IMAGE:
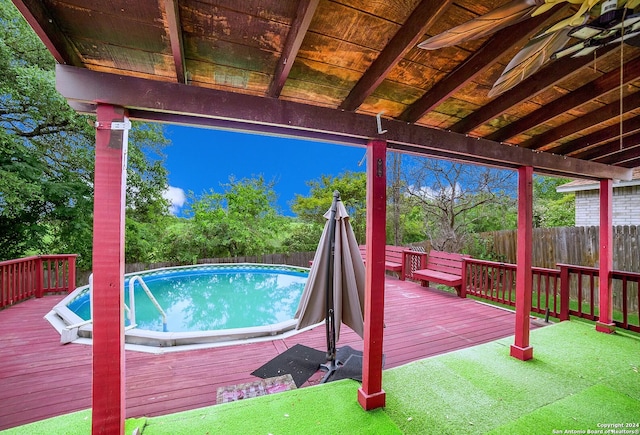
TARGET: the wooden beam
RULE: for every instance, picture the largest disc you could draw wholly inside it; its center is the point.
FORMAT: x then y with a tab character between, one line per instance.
548	76
582	95
605	113
371	395
605	320
524	275
631	125
424	15
489	54
610	147
48	31
108	393
179	103
175	36
299	27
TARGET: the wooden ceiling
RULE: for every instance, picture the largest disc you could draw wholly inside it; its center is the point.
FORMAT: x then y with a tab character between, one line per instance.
325	68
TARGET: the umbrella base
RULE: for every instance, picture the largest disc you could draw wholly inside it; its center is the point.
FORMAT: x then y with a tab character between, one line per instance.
330	367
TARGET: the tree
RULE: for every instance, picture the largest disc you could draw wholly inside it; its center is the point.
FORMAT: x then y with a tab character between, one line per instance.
353	193
550	207
452	195
242	220
47	157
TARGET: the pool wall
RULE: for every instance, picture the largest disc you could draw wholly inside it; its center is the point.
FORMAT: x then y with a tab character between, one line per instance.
71	326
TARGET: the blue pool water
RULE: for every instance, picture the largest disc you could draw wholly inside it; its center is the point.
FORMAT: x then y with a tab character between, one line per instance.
213	297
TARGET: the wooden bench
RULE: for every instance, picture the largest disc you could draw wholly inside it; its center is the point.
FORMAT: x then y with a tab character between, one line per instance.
443	268
393	258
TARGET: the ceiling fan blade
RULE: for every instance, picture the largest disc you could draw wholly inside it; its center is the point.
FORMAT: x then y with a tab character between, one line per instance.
484	25
574	20
529	60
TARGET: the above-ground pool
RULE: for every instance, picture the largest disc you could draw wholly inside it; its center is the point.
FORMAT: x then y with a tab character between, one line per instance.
196	304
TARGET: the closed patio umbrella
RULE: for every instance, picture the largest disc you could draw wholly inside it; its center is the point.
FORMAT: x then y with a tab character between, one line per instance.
335	289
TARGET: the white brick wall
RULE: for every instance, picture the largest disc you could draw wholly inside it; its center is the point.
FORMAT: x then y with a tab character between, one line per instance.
626	206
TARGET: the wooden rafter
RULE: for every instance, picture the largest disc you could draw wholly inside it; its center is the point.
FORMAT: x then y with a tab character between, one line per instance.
611	147
47	30
612	132
420	20
582	95
627	153
595	117
530	87
500	43
175	36
299	27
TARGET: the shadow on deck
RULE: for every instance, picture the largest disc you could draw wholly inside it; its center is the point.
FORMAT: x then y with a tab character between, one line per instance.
41	378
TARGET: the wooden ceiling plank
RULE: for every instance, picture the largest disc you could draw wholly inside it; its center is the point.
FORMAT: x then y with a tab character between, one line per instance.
175	37
488	55
421	19
45	27
628	126
288	118
297	32
529	88
584	94
591	119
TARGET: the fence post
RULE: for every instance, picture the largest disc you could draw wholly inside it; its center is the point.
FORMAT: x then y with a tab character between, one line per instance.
564	292
39	277
463	288
71	277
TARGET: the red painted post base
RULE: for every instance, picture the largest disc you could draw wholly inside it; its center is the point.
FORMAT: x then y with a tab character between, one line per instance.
371	401
607	328
523	354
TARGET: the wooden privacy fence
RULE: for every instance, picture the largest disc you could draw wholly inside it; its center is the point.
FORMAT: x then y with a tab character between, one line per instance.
569	245
569	290
27	277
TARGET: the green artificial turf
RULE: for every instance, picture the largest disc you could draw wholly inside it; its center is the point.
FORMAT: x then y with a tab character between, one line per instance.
75	423
578	379
323	409
480	389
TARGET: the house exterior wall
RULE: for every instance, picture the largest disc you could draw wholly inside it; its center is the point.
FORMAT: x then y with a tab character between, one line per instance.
626	206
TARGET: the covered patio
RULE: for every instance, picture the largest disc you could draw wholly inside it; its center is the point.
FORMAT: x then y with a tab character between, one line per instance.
349	73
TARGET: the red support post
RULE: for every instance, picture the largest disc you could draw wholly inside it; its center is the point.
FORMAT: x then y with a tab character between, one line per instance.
108	396
605	322
524	276
371	395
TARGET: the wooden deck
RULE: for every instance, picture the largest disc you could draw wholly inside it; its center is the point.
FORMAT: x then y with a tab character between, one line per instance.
41	378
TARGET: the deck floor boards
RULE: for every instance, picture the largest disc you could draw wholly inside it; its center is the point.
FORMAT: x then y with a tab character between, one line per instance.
40	378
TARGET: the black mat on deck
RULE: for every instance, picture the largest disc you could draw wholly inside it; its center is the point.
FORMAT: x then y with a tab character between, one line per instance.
349	363
301	362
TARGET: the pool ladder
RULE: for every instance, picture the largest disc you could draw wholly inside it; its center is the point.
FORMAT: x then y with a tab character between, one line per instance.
132	301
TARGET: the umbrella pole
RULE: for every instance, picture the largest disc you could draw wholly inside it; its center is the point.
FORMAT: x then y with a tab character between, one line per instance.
330	323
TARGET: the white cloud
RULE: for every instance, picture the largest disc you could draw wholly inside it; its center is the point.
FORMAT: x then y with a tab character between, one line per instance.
176	197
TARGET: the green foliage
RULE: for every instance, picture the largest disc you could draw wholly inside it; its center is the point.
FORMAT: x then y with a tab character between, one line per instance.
353	193
550	207
240	221
47	160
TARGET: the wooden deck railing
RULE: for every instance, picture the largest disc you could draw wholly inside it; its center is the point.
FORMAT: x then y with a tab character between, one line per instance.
27	277
568	291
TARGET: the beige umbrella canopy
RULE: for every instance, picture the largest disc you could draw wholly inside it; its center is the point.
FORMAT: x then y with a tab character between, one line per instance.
335	289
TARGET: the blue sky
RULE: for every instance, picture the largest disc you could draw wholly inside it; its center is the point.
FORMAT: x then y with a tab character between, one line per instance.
200	159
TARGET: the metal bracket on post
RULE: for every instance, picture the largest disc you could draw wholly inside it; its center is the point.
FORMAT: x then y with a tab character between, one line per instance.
379	123
115	125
